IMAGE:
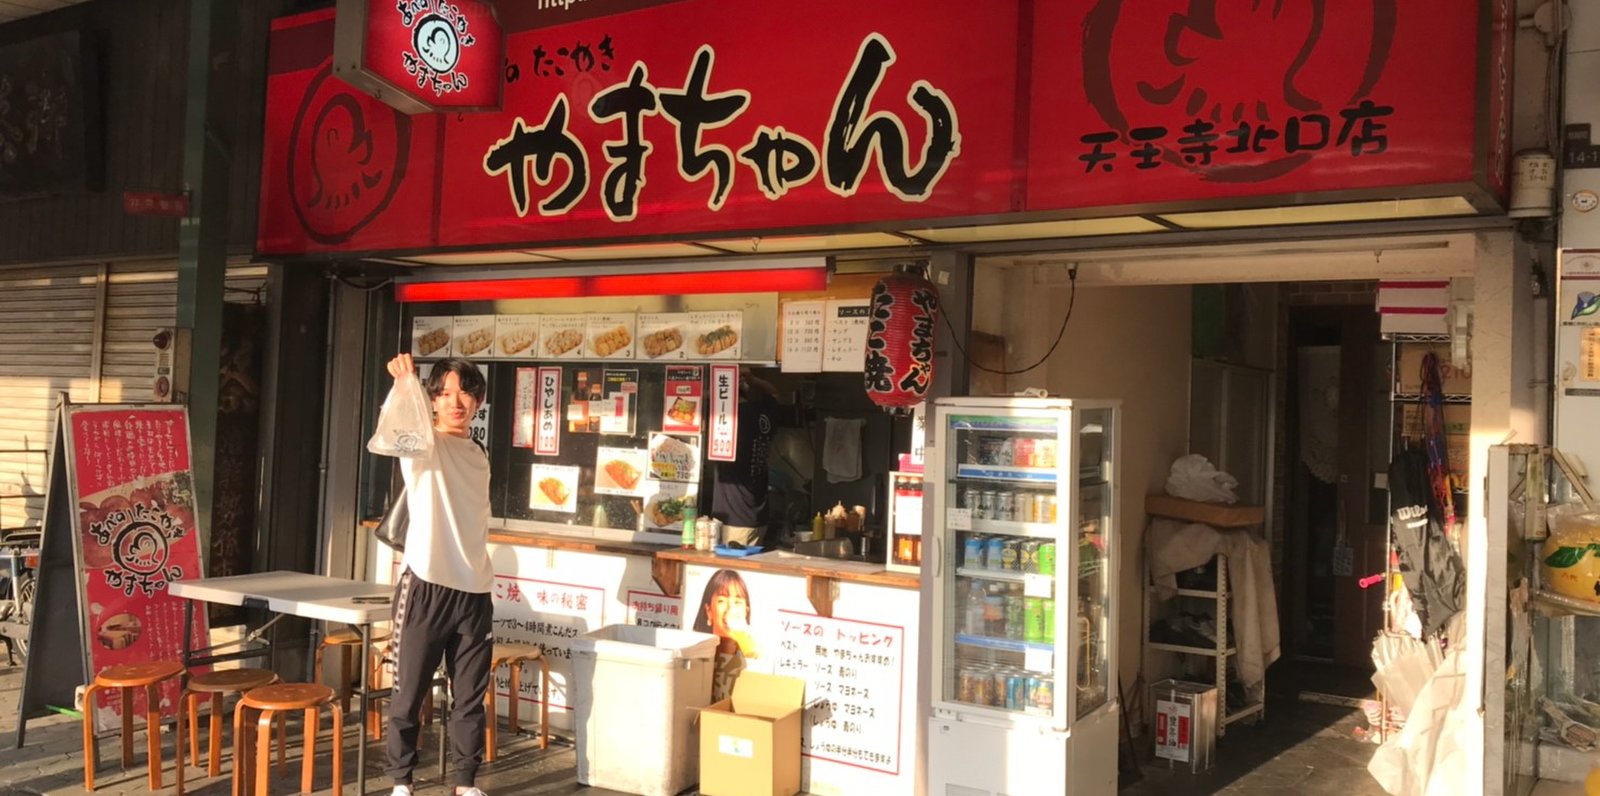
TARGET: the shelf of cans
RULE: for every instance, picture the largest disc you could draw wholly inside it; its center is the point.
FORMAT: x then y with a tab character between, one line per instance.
1006	688
1022	506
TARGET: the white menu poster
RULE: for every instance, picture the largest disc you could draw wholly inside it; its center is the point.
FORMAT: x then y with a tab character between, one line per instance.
522	418
474	336
724	444
561	336
547	428
621	471
430	337
516	336
610	335
554	488
717	335
802	336
663	335
853	670
844	344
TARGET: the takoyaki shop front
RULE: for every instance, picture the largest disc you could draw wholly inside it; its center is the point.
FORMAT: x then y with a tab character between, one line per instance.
657	225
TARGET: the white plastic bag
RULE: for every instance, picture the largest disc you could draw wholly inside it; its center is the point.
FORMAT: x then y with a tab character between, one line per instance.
405	424
1194	477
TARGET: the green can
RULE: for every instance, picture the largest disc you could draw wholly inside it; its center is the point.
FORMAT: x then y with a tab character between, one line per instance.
1046	558
1048	608
1034	624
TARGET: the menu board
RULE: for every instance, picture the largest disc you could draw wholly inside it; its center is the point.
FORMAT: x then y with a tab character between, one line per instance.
549	615
803	329
853	672
717	335
663	335
674	458
663	510
473	336
525	400
724	446
555	488
430	337
516	335
561	336
609	336
844	343
621	390
683	405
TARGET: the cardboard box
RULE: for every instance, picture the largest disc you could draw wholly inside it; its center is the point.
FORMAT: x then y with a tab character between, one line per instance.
1217	515
750	743
1454	379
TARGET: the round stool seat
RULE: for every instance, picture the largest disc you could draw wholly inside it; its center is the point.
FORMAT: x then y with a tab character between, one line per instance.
517	652
135	675
350	638
226	681
288	696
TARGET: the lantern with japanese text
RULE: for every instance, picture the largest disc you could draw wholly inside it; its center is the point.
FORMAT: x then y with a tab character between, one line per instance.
899	353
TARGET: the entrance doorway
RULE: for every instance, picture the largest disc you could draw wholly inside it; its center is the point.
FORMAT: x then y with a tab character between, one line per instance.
1336	427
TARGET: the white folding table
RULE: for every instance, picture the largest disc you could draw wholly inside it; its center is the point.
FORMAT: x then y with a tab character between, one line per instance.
354	603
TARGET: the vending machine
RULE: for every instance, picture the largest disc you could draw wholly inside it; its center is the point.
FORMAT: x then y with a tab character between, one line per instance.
1019	564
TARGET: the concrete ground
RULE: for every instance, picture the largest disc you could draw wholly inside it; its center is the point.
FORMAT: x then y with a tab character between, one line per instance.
1301	748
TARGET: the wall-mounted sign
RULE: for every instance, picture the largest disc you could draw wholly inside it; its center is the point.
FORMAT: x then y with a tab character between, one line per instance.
674	120
422	55
724	445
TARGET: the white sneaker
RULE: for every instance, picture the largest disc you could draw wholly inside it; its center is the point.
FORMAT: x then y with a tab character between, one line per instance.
471	792
401	790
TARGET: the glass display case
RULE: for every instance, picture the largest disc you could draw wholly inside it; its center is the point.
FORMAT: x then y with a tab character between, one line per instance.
1024	495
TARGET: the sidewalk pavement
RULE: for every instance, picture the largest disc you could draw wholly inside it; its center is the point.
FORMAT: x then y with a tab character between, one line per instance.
52	761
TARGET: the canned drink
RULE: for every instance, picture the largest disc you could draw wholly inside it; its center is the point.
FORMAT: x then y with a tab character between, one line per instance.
1046	508
966	684
1016	690
1042	694
1016	616
1030	556
968	496
1022	507
1033	608
1045	558
1004	505
1044	453
994	552
1048	608
972	552
985	505
994	451
1001	687
983	691
994	614
1011	555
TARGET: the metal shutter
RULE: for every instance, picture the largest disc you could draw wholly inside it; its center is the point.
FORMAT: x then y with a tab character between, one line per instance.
47	341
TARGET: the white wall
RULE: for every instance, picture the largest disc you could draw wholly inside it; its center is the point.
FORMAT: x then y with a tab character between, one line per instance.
1129	343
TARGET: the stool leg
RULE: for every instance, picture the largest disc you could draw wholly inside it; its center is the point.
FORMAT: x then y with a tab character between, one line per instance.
89	751
316	665
544	704
308	762
127	727
214	751
177	747
263	756
344	678
516	689
190	702
490	720
338	754
283	741
152	733
241	753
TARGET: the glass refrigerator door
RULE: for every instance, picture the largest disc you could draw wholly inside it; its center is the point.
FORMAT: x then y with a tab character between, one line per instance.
1002	501
1093	622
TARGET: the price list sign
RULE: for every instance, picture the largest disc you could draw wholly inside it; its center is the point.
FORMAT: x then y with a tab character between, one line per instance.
845	337
549	615
803	324
853	672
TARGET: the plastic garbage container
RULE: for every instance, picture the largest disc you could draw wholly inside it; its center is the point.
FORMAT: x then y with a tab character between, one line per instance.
637	692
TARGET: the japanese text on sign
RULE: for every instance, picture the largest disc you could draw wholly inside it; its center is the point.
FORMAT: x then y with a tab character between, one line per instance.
802	336
724	413
548	615
649	609
845	344
547	434
853	674
1202	143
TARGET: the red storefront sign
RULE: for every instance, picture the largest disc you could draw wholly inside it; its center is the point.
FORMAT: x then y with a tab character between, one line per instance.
714	117
134	495
422	55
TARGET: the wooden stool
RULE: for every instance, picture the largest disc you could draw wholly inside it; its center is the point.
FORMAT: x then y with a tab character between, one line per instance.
514	655
216	684
269	701
346	641
126	677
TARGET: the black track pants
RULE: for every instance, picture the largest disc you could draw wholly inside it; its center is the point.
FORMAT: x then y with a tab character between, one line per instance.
433	622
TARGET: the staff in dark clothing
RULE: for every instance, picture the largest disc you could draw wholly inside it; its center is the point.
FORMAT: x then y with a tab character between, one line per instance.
739	487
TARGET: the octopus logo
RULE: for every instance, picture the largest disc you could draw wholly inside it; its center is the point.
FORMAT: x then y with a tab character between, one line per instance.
347	158
140	541
1229	63
439	31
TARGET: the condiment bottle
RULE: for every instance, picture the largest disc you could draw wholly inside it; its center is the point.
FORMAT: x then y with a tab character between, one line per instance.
687	535
817	526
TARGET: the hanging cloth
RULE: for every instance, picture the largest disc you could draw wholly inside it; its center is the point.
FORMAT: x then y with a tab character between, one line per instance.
1429	564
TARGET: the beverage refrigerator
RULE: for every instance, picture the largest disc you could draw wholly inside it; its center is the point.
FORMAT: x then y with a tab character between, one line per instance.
1018	568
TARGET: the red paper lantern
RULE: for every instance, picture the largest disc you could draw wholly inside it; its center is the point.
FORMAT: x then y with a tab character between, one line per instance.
899	354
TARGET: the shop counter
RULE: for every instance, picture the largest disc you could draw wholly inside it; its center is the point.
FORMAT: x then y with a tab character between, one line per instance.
821	574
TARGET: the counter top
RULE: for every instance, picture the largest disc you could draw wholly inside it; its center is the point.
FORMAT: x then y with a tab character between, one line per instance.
581	544
782	562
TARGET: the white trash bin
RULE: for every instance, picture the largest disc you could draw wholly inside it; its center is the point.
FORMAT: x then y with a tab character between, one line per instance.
636	695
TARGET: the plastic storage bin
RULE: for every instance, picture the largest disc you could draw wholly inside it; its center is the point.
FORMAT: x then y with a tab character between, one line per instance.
636	694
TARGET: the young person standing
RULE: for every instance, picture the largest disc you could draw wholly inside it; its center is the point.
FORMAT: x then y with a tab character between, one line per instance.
442	605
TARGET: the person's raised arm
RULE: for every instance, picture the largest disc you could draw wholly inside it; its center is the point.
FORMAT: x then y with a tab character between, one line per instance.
401	367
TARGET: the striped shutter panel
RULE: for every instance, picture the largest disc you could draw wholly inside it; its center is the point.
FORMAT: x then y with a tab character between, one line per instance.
47	338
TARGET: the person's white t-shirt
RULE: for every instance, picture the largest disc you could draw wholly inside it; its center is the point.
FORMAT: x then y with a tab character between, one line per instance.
447	542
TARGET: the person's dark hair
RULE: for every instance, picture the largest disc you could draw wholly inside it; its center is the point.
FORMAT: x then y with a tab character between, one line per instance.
720	582
472	381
